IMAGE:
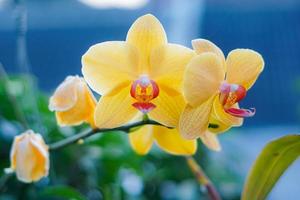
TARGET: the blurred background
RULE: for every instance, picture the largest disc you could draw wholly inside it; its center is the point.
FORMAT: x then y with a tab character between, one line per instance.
42	41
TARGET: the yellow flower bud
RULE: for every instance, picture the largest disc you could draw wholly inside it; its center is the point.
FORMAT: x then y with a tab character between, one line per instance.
29	157
73	102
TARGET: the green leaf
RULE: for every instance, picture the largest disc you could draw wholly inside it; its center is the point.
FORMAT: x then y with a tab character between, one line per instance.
272	162
62	192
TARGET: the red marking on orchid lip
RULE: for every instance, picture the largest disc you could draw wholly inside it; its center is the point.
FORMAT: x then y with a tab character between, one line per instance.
144	107
143	91
155	89
241	112
133	89
231	94
240	92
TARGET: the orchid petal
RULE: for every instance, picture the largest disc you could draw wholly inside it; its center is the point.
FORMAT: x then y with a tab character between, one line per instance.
13	151
65	96
244	67
141	140
82	111
202	78
31	157
41	166
172	142
211	141
203	46
169	105
115	108
146	33
220	127
107	64
194	120
168	63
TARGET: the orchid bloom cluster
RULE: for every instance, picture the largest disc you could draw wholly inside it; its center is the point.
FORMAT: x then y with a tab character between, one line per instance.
193	93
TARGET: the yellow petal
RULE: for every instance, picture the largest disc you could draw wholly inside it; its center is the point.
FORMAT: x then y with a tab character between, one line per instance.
202	78
65	96
221	127
106	65
172	142
141	140
224	117
13	151
169	105
211	141
115	109
202	46
194	120
244	67
32	157
168	63
82	111
146	33
41	166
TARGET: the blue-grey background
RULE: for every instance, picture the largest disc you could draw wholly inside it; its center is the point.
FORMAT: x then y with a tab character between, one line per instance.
60	31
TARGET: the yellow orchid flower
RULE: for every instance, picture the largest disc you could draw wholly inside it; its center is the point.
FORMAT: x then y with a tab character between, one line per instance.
143	73
73	102
29	157
213	87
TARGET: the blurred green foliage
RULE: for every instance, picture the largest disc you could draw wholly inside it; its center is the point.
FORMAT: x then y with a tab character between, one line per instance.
103	167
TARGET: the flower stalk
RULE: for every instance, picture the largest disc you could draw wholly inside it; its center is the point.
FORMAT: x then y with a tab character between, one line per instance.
202	178
89	132
126	129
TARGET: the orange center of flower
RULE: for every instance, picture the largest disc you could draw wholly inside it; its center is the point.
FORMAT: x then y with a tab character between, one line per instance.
230	94
144	90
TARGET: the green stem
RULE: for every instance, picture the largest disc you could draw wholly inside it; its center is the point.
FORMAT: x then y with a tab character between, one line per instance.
89	132
202	178
75	138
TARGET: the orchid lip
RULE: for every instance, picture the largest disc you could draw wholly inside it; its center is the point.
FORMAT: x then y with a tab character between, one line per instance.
143	90
231	94
241	112
144	107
